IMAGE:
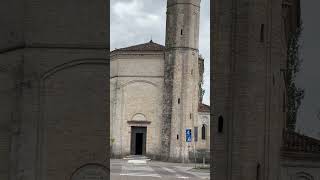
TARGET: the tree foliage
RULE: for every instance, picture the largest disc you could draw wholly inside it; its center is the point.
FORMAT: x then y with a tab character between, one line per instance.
201	89
294	93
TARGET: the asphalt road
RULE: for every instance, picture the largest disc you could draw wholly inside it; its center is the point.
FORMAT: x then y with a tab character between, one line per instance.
149	170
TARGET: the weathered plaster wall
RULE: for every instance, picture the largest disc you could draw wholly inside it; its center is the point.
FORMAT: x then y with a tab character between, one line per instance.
181	77
12	17
300	169
71	23
248	89
203	119
40	120
136	88
10	92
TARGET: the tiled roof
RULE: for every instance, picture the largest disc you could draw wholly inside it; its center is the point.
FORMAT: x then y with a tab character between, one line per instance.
203	108
294	142
149	46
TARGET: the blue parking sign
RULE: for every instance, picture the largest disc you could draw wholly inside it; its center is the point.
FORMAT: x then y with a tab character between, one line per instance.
188	135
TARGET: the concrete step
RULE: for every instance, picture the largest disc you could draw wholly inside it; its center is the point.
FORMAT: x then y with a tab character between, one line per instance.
137	157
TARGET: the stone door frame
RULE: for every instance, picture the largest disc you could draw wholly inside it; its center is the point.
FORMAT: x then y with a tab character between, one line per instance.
134	131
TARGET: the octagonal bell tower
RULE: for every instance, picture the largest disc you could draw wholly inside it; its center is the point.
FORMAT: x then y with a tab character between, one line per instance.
180	106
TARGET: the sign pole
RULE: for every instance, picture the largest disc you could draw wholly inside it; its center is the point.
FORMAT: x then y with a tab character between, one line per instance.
194	154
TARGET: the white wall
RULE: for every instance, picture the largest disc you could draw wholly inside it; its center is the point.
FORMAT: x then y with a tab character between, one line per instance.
136	88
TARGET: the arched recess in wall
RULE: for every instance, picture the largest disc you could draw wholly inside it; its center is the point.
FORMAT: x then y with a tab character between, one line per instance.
220	124
303	176
139	81
139	117
139	93
204	130
72	63
99	170
72	108
140	96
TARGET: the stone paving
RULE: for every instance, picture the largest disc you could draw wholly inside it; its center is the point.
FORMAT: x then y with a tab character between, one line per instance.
145	169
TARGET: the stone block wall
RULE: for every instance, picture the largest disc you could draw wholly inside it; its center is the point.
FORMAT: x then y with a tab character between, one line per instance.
54	86
296	168
248	89
180	108
136	88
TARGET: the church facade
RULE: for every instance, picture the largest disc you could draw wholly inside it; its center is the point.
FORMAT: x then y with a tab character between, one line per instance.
155	92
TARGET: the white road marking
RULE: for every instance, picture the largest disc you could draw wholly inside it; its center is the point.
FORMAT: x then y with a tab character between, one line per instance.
197	174
183	168
138	168
182	177
141	174
179	176
137	161
169	170
126	169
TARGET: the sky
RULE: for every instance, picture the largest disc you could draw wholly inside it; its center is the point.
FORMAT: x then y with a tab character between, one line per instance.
309	75
137	21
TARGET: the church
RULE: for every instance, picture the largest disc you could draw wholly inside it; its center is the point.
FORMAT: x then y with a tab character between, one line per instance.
156	92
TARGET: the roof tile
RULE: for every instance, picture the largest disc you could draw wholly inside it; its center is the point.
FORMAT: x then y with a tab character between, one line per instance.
203	108
149	46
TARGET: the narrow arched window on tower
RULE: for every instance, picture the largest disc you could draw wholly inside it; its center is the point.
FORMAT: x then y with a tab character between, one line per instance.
220	124
178	100
181	32
203	132
195	134
284	102
258	171
262	33
273	80
177	136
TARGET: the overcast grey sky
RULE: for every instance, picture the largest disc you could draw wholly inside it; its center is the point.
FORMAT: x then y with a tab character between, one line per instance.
309	76
136	21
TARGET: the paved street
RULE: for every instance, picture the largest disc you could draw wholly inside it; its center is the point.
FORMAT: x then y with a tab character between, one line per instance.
135	169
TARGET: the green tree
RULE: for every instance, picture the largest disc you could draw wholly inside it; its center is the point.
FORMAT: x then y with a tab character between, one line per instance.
294	93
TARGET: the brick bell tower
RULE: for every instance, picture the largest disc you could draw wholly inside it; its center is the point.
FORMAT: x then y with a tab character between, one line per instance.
180	101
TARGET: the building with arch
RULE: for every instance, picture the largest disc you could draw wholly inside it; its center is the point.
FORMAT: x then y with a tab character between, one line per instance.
156	93
136	102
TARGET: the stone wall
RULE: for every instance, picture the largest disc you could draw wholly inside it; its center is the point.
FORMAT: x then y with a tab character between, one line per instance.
248	88
53	76
203	119
300	168
136	88
182	77
12	17
46	104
